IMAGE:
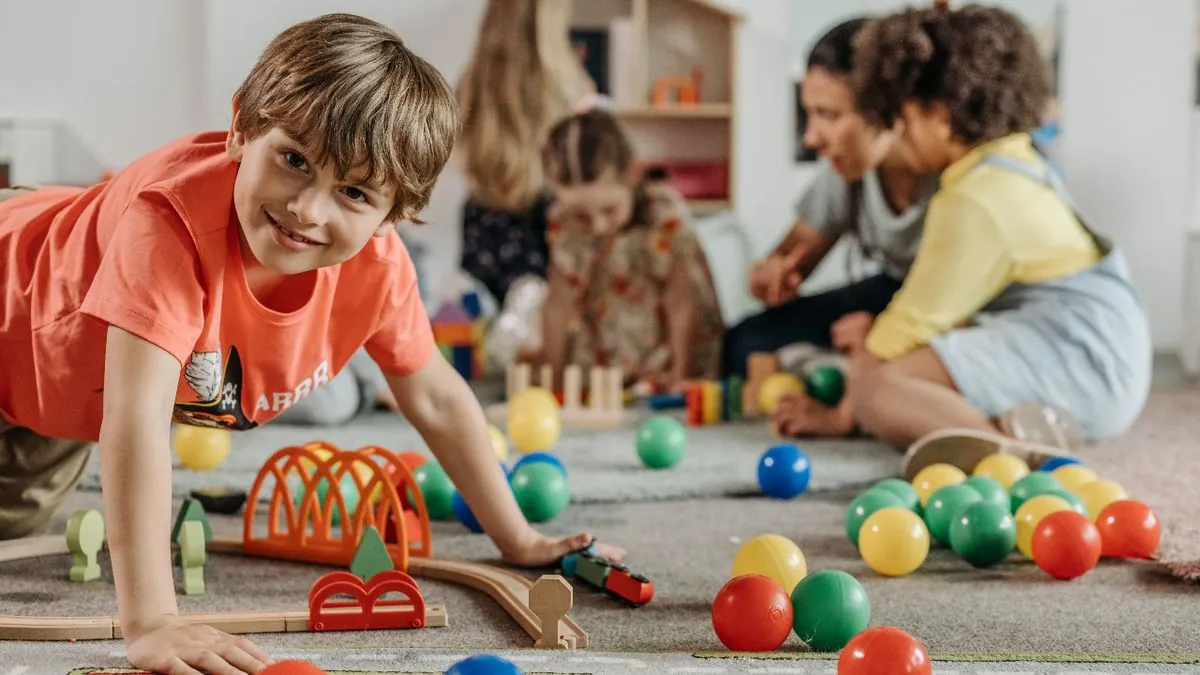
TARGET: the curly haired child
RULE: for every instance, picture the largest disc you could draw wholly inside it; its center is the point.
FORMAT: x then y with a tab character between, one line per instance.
218	280
629	283
522	77
1012	300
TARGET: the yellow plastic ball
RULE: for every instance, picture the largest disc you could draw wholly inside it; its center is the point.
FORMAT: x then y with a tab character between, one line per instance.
774	387
201	448
894	541
1098	494
935	476
499	443
1005	468
1074	476
1030	514
773	556
534	420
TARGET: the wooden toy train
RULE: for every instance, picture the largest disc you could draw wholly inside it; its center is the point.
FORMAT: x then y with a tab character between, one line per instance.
613	579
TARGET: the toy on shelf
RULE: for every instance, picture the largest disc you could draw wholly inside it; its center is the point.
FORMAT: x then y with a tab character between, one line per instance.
85	537
605	396
681	90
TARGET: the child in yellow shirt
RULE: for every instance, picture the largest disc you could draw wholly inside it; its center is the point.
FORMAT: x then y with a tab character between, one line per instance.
1011	299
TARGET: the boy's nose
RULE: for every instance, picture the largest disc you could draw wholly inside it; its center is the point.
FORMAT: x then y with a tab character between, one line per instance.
309	208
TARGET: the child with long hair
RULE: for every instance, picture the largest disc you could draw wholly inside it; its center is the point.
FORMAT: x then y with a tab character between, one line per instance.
522	77
1012	299
629	284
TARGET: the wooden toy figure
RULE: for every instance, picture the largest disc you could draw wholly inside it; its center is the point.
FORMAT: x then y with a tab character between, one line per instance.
192	556
85	536
550	598
190	511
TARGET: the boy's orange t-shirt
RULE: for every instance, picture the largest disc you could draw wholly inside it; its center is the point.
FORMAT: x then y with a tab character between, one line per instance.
156	251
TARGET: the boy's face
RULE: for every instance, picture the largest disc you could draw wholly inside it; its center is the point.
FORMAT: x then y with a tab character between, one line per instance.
297	216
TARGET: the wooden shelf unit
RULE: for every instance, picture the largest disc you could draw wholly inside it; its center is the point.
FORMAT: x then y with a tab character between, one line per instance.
652	39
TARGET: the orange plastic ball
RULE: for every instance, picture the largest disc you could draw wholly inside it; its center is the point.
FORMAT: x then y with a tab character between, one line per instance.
1128	529
1066	545
884	650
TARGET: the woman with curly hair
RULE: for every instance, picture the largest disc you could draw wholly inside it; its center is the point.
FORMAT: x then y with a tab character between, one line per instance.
1012	302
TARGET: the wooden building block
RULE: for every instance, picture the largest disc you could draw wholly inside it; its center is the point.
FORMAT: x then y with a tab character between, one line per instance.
759	367
572	387
192	557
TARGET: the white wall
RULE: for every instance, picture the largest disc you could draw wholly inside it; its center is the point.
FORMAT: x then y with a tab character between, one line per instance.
1127	95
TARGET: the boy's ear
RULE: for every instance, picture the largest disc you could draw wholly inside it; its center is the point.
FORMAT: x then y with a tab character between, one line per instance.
234	141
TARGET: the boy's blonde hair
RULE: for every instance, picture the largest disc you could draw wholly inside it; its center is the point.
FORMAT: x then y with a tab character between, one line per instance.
349	89
522	77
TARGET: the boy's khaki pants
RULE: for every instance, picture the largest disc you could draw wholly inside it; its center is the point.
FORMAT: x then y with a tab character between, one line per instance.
37	474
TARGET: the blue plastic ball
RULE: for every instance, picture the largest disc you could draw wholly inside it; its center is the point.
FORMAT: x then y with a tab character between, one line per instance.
464	515
539	457
1055	462
784	471
484	664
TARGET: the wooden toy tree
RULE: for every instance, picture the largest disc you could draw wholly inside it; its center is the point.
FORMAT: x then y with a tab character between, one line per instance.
190	512
85	536
372	556
192	556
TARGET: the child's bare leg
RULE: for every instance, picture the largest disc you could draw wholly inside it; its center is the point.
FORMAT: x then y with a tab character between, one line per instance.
905	399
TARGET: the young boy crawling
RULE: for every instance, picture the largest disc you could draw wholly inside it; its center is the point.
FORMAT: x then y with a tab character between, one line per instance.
218	280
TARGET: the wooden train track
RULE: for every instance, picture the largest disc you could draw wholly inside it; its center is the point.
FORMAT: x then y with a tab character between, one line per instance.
510	590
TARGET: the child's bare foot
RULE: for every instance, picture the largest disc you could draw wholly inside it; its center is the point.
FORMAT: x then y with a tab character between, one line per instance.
799	415
543	551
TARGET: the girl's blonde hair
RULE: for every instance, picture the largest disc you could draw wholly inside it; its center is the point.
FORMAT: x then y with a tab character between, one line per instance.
522	78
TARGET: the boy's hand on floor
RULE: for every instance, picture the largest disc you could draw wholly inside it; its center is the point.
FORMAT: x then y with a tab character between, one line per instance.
177	648
542	551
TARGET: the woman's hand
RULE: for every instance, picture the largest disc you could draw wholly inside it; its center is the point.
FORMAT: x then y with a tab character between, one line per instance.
776	278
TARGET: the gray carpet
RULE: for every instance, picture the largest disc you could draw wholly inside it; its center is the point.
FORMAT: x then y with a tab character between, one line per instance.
603	466
1120	612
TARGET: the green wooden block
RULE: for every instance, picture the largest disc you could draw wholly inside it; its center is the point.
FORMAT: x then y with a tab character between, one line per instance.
85	537
371	557
192	557
592	571
733	398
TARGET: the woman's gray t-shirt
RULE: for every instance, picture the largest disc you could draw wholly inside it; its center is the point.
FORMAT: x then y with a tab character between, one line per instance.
890	239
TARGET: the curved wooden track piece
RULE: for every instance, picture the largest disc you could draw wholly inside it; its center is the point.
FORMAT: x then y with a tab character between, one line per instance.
508	589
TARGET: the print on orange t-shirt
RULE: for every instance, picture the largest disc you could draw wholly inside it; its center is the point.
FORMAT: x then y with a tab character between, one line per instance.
156	251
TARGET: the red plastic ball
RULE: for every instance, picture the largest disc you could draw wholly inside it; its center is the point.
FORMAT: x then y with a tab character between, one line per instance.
884	650
752	613
292	668
1066	545
1128	529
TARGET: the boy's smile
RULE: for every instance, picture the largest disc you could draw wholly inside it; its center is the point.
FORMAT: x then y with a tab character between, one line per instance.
296	215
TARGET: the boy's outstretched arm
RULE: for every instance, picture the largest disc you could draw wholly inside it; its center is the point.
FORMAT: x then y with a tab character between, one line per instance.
444	409
140	381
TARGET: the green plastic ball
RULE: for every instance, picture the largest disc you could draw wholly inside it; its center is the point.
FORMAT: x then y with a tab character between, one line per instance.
661	442
864	505
349	490
829	607
541	491
1029	486
826	384
437	489
983	534
902	489
990	489
944	505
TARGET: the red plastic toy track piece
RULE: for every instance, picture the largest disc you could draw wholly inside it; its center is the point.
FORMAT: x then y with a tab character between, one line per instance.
367	611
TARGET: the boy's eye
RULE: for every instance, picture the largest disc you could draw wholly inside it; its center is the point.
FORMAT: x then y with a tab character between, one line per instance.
356	194
296	160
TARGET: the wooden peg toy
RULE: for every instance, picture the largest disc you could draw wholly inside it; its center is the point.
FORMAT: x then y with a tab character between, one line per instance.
85	536
550	598
192	556
604	407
